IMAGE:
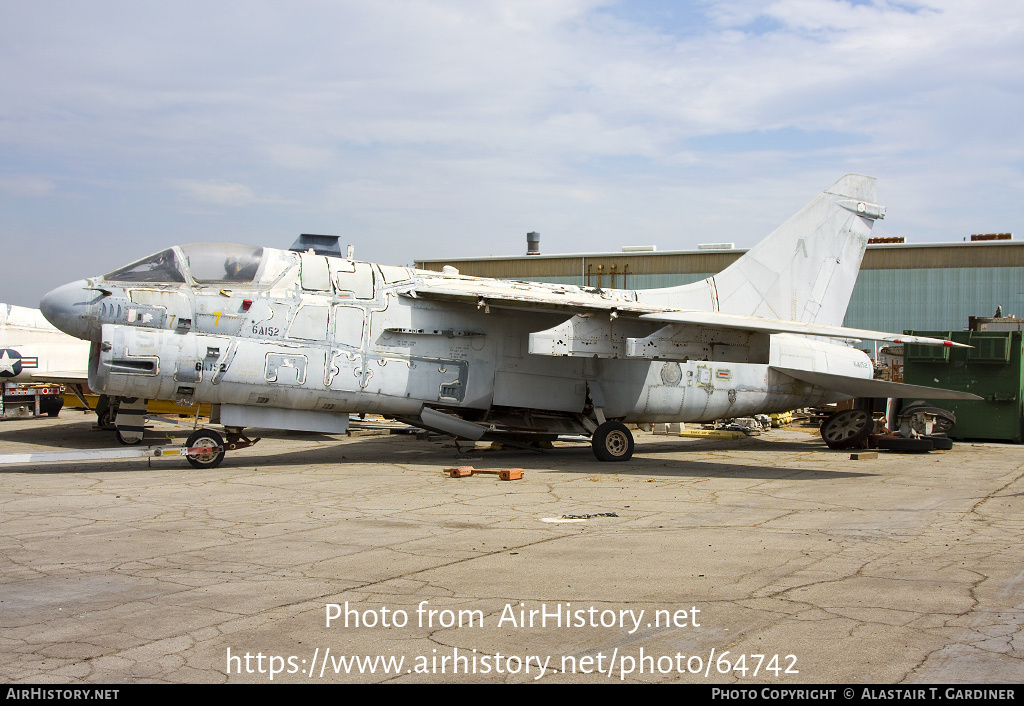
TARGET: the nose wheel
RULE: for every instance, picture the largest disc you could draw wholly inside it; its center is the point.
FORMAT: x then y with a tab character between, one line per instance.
612	441
127	440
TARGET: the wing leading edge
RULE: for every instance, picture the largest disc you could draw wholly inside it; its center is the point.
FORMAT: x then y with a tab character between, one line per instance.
762	325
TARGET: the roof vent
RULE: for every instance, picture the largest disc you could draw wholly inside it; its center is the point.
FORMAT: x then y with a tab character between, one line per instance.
716	246
533	243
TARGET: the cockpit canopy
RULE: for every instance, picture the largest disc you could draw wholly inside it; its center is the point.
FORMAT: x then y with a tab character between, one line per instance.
205	263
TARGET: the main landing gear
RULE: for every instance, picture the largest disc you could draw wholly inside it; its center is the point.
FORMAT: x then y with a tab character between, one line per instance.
612	441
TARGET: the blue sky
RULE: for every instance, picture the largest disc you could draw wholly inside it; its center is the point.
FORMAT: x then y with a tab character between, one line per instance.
451	128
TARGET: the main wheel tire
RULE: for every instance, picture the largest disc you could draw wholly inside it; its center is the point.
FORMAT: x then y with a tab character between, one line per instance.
205	437
51	406
940	443
847	428
905	446
105	420
126	441
612	441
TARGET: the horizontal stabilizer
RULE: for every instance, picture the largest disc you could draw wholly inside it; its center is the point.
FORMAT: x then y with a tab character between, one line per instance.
863	387
763	325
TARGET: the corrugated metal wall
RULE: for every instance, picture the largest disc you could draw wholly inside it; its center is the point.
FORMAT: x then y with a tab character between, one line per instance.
934	299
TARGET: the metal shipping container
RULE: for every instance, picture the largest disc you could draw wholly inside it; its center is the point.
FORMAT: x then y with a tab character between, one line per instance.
992	369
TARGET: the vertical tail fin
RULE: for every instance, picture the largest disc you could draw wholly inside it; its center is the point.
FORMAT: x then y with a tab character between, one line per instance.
804	271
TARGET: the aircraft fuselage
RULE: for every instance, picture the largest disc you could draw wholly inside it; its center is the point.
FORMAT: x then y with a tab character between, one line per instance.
332	336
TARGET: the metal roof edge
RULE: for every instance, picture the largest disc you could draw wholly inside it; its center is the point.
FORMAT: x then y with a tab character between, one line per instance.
662	253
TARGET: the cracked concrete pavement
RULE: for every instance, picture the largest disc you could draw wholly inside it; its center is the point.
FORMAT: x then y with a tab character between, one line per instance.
900	569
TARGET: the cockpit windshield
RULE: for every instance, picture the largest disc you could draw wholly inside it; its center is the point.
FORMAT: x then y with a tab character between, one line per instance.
212	263
162	267
208	263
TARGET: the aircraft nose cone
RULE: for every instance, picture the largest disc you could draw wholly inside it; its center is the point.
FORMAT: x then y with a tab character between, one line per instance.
70	308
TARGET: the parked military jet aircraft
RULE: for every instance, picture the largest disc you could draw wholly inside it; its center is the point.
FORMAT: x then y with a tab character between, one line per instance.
298	340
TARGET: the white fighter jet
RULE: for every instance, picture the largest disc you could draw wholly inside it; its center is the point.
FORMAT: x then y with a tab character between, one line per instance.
32	350
298	339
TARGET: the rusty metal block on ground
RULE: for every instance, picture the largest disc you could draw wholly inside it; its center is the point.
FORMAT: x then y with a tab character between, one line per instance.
502	473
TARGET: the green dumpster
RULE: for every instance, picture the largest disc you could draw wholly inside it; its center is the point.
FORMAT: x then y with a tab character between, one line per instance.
991	369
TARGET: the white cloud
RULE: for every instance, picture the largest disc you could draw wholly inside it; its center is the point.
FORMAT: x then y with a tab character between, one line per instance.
216	193
26	186
459	119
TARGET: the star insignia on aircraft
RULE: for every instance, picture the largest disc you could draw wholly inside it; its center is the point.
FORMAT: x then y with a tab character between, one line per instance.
10	363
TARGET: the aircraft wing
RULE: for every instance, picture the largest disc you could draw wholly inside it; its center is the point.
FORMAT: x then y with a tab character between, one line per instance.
541	296
533	296
762	325
863	387
61	377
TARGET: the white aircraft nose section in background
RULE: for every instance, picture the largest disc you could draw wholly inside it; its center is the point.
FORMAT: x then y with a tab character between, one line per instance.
71	309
